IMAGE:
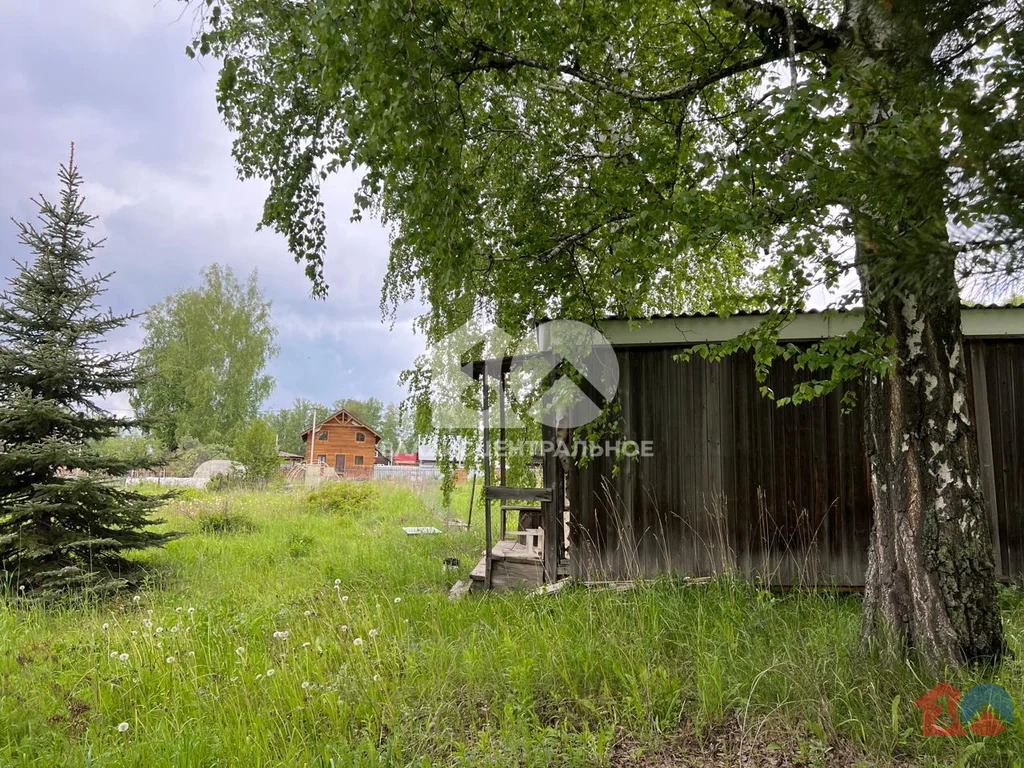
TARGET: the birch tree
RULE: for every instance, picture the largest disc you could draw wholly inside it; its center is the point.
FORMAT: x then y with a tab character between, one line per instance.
578	158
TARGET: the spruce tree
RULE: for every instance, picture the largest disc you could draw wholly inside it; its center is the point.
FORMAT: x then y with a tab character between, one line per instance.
63	522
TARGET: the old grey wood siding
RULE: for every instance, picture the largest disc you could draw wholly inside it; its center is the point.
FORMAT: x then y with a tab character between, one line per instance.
737	482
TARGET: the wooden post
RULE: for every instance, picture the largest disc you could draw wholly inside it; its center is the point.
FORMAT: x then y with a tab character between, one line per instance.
472	496
550	509
487	478
502	447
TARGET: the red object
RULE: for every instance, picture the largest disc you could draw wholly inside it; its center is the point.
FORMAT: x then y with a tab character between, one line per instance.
406	458
987	724
931	711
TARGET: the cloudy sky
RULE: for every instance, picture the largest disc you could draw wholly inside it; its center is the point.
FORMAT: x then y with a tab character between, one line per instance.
112	76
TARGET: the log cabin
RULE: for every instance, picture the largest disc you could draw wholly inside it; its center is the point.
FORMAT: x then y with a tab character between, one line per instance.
344	443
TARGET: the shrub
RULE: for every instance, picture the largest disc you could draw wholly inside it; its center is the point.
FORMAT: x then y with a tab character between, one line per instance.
221	519
345	497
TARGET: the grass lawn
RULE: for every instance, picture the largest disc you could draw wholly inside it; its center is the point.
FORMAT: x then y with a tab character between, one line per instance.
280	632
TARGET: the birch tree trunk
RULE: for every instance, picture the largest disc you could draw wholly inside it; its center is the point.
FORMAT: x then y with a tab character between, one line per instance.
931	580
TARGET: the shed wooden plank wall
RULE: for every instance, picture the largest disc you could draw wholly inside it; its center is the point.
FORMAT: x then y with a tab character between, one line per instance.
736	482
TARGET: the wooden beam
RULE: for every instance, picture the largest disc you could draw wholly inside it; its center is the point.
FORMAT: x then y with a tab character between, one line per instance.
503	492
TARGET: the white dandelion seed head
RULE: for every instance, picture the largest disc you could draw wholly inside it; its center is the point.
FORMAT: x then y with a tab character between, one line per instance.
191	654
179	609
191	610
159	630
376	678
135	633
175	628
344	628
171	659
337	582
306	685
357	641
306	644
239	651
135	600
122	727
123	657
113	654
105	626
374	633
282	635
344	598
147	623
270	673
398	600
149	612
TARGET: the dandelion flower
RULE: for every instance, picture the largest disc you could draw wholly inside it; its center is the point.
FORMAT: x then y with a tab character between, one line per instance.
179	609
283	635
113	654
306	644
159	630
123	657
191	654
122	727
175	628
374	633
398	600
344	598
191	610
307	613
337	582
376	678
21	587
171	659
105	626
239	651
270	673
357	641
135	600
344	628
306	685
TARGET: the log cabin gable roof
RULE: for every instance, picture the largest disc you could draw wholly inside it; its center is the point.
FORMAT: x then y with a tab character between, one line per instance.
342	418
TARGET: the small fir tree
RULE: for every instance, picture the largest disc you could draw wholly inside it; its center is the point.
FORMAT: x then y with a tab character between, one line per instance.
63	524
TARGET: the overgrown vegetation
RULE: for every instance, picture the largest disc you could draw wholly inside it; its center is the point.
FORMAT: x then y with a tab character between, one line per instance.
343	498
330	640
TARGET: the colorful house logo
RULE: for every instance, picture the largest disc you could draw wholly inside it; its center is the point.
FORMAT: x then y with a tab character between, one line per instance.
988	705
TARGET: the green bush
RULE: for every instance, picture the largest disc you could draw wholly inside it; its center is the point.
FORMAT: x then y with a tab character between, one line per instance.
344	498
222	519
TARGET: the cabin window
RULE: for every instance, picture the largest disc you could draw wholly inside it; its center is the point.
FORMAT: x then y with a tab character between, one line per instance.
360	437
359	460
322	435
321	459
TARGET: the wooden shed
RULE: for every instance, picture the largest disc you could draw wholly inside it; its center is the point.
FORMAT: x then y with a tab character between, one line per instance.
721	478
344	443
782	493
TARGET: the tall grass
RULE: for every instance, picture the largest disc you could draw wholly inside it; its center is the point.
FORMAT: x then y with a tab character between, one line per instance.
320	638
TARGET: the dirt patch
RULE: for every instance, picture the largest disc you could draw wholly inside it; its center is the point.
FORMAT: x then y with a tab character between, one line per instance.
727	746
